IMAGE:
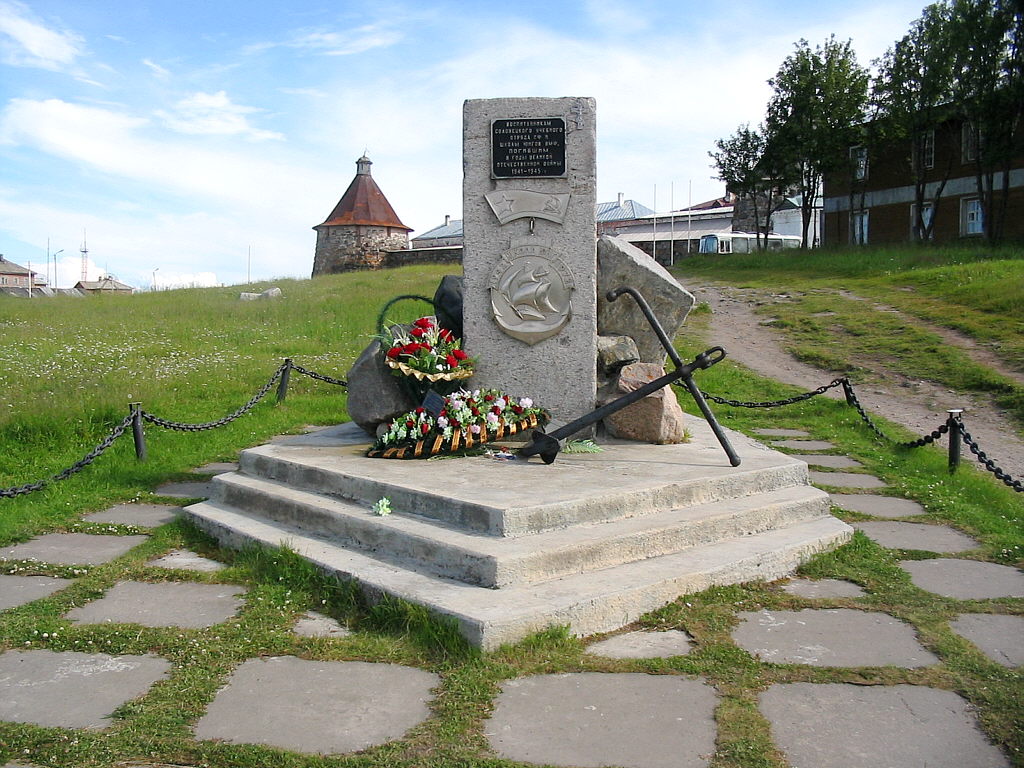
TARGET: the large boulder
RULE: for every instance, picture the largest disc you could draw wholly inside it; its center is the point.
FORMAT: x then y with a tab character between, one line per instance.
374	394
620	264
448	304
656	418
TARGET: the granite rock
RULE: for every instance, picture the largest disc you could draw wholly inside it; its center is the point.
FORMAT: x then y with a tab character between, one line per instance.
374	394
656	418
621	264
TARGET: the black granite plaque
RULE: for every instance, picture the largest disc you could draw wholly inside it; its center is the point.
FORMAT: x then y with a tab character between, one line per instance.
527	147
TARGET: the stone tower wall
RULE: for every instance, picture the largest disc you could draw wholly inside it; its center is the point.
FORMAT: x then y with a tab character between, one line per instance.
346	248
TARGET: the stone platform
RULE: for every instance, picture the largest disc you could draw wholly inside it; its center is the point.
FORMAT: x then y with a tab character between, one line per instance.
508	548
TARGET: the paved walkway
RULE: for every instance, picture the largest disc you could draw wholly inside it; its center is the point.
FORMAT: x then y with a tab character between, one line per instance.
578	719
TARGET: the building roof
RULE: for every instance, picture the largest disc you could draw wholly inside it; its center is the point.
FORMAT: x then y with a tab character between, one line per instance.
363	203
452	229
10	268
103	284
719	202
621	209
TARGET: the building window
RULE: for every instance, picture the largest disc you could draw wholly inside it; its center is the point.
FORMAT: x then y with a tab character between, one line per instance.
927	211
3	281
968	143
859	227
972	220
859	162
928	150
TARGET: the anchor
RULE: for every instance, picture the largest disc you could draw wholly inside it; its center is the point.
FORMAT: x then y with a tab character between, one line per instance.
547	446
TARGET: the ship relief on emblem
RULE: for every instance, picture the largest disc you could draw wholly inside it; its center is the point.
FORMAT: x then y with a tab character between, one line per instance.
531	292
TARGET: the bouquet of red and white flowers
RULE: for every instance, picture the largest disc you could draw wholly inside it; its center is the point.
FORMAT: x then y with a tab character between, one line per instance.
426	350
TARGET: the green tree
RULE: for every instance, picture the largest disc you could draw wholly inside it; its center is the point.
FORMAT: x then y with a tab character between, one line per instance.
816	114
912	93
745	162
987	37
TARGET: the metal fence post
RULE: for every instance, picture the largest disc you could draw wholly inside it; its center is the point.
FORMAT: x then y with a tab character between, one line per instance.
140	438
851	399
955	437
282	387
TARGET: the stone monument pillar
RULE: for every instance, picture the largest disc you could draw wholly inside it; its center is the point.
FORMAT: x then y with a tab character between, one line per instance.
530	269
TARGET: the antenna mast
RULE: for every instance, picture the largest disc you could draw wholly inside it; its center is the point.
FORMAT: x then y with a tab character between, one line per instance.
85	259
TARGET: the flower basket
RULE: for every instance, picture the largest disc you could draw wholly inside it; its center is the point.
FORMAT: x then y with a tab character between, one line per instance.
468	419
435	444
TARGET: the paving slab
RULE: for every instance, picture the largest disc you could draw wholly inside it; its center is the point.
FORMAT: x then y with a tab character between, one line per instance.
965	579
191	490
593	719
804	445
1001	638
827	460
186	560
18	590
216	468
879	506
168	604
845	480
142	515
818	588
836	725
72	548
931	538
782	432
643	645
832	637
326	707
314	624
71	689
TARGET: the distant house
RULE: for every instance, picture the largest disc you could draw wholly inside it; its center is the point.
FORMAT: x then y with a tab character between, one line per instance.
666	236
14	275
874	201
106	285
447	235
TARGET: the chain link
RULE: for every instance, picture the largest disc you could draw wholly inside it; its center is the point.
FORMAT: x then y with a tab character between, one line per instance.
78	466
182	427
851	398
773	403
985	461
318	376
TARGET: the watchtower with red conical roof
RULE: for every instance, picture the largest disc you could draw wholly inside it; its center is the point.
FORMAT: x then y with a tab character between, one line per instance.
360	229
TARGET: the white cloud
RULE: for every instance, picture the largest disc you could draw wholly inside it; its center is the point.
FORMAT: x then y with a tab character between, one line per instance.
27	42
214	114
159	71
348	42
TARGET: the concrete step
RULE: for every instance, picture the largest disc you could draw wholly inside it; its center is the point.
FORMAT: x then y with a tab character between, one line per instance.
519	498
594	601
491	561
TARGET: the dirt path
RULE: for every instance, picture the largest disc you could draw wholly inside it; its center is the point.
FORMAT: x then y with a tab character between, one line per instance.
918	405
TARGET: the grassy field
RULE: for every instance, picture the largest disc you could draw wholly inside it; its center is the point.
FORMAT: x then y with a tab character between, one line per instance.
977	292
69	369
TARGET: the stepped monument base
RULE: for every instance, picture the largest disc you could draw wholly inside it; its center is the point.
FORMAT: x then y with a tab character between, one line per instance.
509	548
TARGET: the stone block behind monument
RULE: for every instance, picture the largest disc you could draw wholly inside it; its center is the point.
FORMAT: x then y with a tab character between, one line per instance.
530	270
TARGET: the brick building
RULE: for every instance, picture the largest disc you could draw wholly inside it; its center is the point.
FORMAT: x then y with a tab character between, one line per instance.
874	201
360	230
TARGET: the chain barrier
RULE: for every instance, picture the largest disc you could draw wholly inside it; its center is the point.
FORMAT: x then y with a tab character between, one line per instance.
137	415
183	427
985	461
851	398
75	468
773	403
318	376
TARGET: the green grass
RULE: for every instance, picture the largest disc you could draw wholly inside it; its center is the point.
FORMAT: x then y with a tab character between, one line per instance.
977	292
196	355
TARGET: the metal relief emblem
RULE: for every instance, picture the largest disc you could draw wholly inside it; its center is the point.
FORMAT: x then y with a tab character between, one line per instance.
531	291
511	204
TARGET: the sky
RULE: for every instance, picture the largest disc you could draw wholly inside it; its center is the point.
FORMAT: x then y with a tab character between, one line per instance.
198	143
